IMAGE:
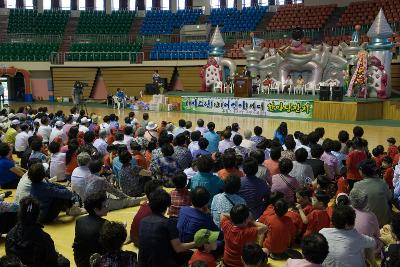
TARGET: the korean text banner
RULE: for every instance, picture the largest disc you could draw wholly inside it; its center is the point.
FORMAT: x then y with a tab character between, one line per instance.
249	106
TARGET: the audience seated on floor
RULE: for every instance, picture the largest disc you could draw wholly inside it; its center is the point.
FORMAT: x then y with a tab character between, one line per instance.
329	199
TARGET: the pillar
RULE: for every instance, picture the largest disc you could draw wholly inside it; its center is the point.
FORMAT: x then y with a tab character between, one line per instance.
140	5
40	6
89	4
123	4
207	8
156	4
173	5
74	4
108	6
55	4
2	4
19	4
222	4
188	4
239	4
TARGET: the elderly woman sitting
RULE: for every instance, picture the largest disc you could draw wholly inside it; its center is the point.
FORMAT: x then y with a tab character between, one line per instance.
366	222
80	174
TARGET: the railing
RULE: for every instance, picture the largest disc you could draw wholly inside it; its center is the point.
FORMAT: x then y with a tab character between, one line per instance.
348	30
178	55
8	58
172	38
102	38
58	58
31	38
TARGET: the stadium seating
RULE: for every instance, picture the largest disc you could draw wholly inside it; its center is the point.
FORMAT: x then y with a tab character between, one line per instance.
164	21
26	51
307	17
236	52
103	51
30	21
98	22
234	20
168	51
364	13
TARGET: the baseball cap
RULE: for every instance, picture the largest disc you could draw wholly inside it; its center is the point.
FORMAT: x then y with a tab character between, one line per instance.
11	115
15	122
60	123
205	236
84	120
3	119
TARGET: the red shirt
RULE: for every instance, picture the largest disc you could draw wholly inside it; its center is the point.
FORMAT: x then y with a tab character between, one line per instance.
296	219
388	176
208	258
317	220
307	209
272	166
396	159
235	239
147	156
280	234
142	213
343	186
379	160
353	160
72	164
140	160
392	151
179	199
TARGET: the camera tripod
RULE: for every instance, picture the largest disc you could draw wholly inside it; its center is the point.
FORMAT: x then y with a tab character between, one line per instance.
82	106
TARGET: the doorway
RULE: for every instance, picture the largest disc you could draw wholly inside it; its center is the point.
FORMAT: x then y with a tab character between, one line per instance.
4	83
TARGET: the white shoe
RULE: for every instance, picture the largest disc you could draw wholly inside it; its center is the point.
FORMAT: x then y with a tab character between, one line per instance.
75	211
53	180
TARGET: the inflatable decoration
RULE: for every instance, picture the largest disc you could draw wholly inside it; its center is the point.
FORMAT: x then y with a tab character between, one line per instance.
211	74
370	62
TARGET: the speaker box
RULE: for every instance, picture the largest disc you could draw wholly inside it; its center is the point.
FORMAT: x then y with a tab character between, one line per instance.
324	93
337	93
151	89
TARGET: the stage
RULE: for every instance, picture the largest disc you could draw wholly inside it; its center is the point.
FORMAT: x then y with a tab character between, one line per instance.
306	107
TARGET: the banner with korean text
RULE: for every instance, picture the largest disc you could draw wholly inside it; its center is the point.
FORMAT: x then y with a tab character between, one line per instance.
249	106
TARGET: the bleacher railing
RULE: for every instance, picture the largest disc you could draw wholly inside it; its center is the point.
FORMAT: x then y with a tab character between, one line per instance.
348	30
31	38
59	58
103	38
177	55
28	58
171	38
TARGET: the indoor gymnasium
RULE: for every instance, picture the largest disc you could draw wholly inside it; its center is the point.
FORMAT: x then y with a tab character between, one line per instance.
199	133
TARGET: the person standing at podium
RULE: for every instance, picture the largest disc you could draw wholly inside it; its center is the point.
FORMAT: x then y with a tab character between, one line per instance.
256	84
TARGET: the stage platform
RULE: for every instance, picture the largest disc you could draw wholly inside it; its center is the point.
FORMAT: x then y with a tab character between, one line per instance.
306	107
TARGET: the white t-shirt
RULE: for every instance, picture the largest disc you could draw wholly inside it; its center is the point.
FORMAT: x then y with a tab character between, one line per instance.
346	247
56	133
21	141
79	178
57	166
44	131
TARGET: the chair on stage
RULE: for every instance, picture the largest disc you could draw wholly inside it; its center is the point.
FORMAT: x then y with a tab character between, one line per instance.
228	88
266	84
298	89
311	87
218	87
275	86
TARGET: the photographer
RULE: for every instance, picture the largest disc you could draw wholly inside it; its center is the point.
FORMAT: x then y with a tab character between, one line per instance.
77	92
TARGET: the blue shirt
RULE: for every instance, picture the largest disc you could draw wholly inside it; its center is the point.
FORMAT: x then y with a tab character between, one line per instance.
255	192
223	203
117	166
211	182
191	220
47	193
38	155
201	152
213	141
278	135
6	176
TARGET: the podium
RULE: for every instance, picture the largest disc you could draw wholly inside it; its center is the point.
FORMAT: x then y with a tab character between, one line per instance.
242	87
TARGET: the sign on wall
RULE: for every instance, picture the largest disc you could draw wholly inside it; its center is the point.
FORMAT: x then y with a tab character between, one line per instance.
249	106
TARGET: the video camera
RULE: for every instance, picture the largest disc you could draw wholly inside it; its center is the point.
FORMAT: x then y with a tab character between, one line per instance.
78	87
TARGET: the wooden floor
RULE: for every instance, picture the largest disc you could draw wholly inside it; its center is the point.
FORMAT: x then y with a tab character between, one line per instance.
62	231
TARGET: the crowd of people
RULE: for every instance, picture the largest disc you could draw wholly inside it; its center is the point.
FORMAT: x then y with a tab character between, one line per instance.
207	197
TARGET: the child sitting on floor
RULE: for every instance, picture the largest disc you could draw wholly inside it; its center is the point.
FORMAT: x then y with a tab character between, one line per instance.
206	241
180	196
387	171
239	230
392	148
318	218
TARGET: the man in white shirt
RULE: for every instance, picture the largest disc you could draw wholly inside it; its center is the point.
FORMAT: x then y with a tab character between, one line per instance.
1	92
100	143
235	130
21	140
347	247
57	131
246	142
226	142
44	130
200	127
194	145
83	127
80	175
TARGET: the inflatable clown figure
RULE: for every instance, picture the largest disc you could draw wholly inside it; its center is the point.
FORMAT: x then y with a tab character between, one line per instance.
377	78
212	74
